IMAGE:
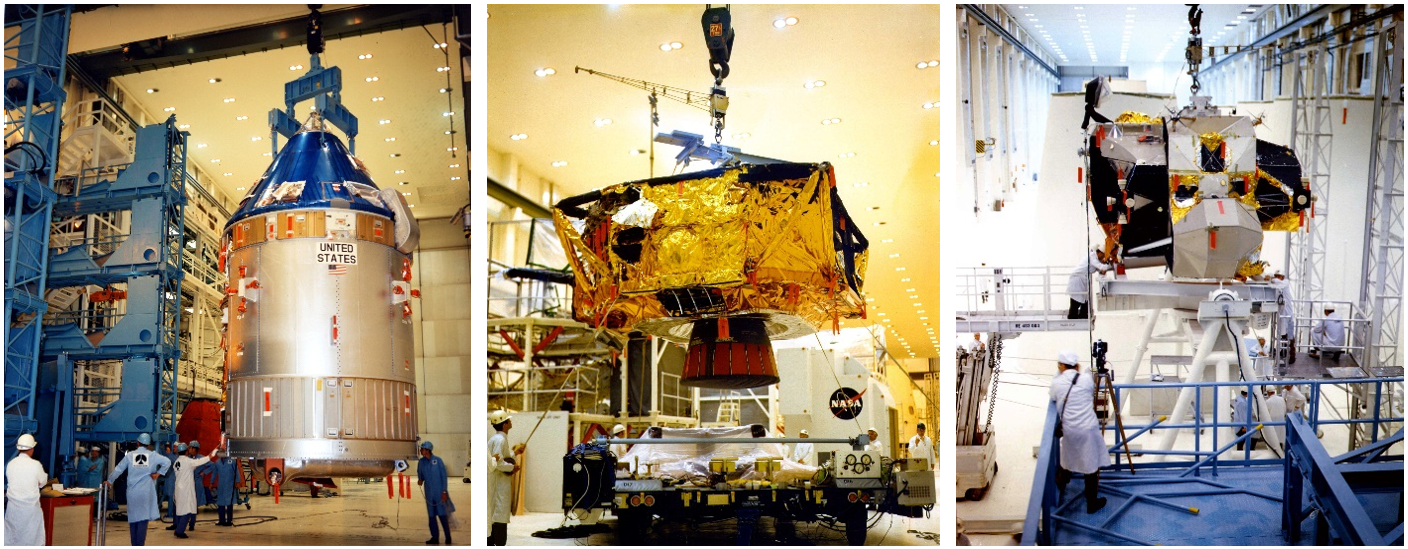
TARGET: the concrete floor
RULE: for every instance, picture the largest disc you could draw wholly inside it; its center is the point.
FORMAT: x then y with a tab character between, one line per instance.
890	530
362	515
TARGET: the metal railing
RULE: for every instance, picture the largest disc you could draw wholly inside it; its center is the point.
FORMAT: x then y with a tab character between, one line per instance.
1042	508
539	390
1038	292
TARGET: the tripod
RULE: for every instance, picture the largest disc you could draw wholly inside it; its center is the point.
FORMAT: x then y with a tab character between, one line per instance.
1105	402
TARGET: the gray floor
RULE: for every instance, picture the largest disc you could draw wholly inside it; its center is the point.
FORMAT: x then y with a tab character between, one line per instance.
362	515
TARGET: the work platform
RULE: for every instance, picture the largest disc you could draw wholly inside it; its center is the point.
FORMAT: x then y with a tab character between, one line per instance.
1211	494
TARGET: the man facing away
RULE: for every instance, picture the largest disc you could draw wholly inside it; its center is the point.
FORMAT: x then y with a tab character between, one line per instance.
143	467
1082	444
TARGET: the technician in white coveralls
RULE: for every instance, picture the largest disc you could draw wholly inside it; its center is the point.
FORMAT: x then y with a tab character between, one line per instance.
804	452
1078	285
1082	445
185	491
24	521
502	465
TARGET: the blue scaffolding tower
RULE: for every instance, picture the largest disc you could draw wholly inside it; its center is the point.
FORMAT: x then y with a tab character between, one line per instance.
34	97
1220	493
137	319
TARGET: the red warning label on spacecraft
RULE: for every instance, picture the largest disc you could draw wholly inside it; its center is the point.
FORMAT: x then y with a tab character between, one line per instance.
335	253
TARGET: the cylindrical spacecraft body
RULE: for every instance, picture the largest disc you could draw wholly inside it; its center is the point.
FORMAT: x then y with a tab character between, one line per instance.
319	358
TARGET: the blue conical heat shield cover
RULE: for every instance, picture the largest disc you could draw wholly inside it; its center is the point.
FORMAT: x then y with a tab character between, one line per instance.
314	170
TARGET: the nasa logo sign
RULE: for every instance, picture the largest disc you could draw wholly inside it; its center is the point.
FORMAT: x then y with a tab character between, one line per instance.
846	403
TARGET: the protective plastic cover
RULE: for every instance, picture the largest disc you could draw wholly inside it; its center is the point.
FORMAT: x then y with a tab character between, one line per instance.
689	463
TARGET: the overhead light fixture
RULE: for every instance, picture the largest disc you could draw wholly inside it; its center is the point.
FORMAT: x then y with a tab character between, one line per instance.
637	152
405	194
239	188
452	149
455	178
676	45
256	138
861	184
442	69
405	182
373	78
934	143
454	165
848	155
183	127
744	135
383	121
378	98
887	241
168	109
518	136
545	72
227	174
931	105
215	161
152	90
440	45
268	154
444	90
559	163
602	122
295	67
447	113
201	145
398	172
395	155
814	84
830	121
365	56
390	139
241	118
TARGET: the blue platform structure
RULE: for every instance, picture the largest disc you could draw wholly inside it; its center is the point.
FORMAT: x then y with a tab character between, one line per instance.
1204	497
137	319
34	98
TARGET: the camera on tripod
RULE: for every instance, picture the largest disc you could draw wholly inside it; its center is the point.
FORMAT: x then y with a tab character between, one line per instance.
1098	350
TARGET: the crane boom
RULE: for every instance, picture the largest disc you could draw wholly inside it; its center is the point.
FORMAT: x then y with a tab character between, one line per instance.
698	100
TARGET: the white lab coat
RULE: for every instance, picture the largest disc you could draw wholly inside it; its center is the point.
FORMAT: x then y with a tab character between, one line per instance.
24	521
1083	446
923	448
1256	355
1285	314
1295	401
804	453
500	479
1276	411
1329	332
1078	285
185	490
972	346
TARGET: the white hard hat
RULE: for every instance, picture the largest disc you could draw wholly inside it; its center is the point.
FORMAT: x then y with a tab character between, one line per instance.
804	432
25	442
1068	358
872	429
618	429
1329	307
497	417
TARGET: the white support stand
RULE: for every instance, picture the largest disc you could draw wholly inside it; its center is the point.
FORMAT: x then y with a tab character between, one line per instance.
1222	318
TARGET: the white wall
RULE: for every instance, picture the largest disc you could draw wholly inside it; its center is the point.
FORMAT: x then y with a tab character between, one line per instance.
542	457
809	377
441	272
